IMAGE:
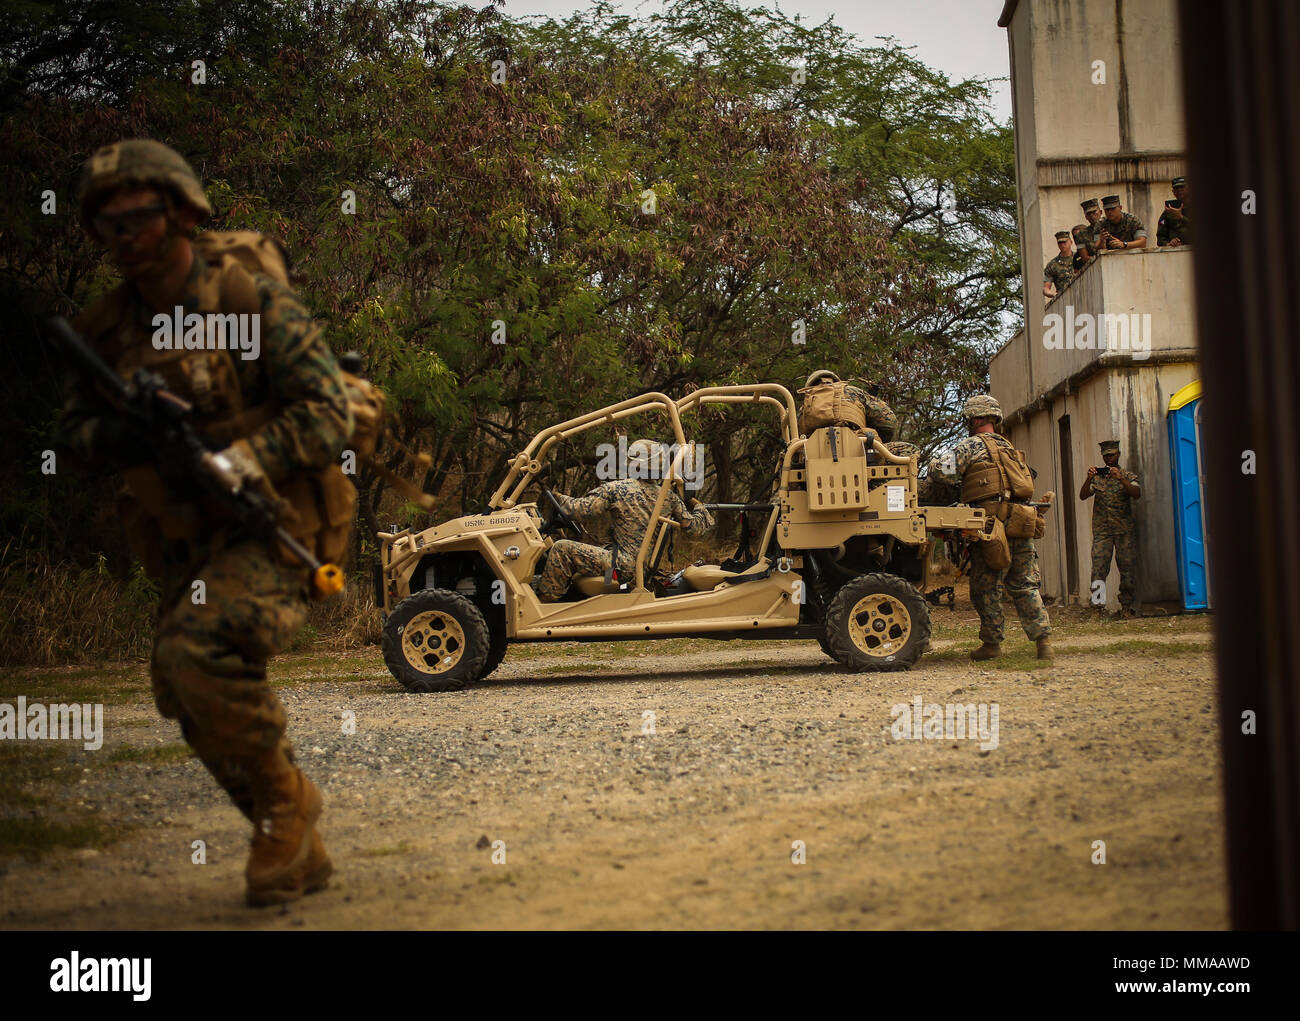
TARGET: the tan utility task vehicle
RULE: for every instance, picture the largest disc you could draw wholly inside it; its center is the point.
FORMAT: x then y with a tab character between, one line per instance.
843	549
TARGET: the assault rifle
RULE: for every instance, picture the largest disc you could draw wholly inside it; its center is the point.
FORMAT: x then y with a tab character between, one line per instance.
164	419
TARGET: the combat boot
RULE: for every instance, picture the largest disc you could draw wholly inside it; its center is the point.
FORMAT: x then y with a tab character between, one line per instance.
318	868
1045	649
287	854
989	650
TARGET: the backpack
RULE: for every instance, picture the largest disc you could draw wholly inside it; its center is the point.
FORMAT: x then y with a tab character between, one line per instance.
240	254
827	404
1005	476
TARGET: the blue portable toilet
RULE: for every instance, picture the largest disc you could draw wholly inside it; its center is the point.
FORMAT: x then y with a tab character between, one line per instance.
1184	421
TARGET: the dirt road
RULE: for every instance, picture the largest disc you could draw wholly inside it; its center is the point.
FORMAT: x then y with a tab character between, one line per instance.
669	784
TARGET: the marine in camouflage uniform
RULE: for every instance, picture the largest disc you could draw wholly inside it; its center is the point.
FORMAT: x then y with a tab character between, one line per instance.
1096	218
1127	228
879	415
630	503
283	419
1175	227
1084	253
1059	271
1114	528
987	584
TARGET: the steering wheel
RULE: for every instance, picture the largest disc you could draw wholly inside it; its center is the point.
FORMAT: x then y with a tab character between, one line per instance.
556	518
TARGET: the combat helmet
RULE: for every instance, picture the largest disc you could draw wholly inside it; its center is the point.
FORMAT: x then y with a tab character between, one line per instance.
139	161
982	406
824	375
641	457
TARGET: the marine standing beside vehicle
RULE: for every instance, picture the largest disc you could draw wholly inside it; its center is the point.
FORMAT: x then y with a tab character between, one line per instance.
972	465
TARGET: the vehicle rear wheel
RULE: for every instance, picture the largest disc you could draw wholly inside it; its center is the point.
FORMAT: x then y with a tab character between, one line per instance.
877	622
435	640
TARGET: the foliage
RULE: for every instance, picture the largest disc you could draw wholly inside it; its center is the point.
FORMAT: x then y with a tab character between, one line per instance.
522	201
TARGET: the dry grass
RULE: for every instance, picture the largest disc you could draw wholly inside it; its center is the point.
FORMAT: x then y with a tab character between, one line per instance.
58	614
348	621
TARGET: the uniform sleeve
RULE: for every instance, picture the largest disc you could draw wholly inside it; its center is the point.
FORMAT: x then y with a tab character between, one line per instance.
1139	229
881	417
694	522
967	453
315	422
1162	232
594	503
948	467
1132	477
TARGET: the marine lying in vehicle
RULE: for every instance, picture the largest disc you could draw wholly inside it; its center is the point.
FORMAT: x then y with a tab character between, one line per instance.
842	547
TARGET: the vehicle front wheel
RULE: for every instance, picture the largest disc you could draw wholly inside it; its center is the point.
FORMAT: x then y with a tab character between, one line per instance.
497	640
435	640
877	622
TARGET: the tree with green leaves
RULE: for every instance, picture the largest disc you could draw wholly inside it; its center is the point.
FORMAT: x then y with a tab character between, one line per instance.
518	221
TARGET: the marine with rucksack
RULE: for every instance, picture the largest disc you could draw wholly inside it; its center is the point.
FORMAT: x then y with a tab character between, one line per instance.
995	476
827	400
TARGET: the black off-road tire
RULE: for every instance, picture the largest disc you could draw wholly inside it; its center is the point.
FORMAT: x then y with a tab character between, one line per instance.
877	622
426	629
498	643
825	645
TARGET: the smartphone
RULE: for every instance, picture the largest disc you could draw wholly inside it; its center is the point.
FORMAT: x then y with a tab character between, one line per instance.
1173	203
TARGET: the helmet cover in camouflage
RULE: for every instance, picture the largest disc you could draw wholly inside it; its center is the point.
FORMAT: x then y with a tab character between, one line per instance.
824	375
137	162
641	454
982	406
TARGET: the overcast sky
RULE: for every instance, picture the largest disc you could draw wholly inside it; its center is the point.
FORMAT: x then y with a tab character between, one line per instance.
959	37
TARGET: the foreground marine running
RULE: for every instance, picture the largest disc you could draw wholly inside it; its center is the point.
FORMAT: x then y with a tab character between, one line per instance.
276	424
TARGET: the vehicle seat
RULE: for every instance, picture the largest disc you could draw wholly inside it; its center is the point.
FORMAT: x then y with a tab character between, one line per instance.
590	584
707	577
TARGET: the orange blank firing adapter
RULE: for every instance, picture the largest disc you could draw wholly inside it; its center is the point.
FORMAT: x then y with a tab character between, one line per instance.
327	581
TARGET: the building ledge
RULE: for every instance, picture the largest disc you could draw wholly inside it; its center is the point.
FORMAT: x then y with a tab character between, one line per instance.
1109	360
1129	253
1111	169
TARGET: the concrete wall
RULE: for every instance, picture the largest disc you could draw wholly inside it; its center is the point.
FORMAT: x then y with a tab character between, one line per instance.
1107	395
1157	283
1077	140
1127	404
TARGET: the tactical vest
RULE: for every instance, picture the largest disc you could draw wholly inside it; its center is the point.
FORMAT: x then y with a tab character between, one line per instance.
1001	485
321	503
828	404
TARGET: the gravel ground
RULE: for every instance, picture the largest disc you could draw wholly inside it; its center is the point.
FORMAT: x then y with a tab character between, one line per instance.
757	749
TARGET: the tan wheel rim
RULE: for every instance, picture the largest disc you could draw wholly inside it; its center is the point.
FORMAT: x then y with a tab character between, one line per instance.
880	625
433	642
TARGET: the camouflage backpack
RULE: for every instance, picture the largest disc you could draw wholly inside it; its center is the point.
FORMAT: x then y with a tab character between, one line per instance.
240	254
828	404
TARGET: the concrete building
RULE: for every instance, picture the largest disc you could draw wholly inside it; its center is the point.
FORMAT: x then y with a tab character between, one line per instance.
1098	111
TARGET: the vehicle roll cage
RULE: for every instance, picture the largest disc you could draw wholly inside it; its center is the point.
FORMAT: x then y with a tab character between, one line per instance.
527	464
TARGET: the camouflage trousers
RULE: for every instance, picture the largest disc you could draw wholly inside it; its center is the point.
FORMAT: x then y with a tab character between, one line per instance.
1123	545
1021	581
568	560
210	652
